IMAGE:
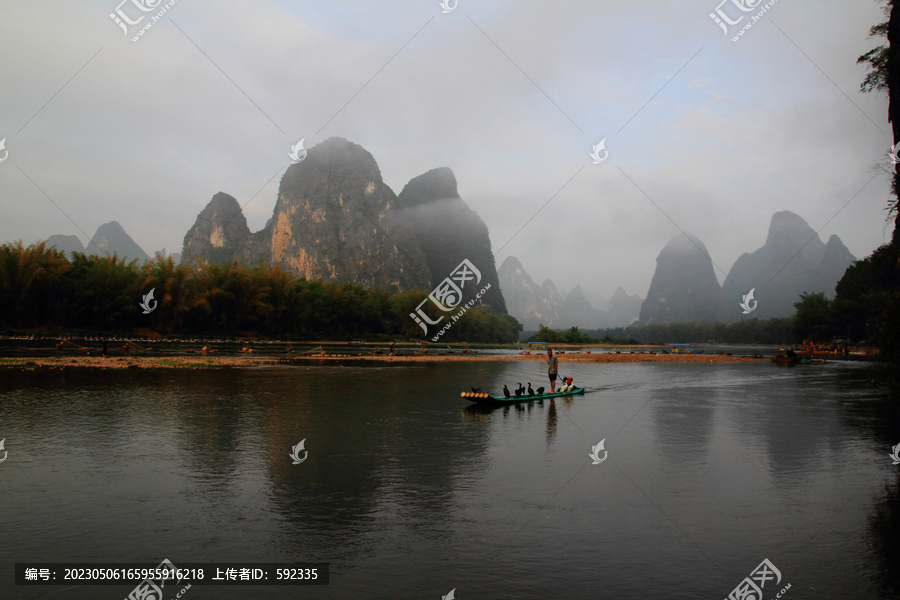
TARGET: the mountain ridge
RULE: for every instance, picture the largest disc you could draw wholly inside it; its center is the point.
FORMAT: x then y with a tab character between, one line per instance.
336	220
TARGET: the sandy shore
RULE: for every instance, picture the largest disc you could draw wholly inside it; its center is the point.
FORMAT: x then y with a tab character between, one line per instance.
563	358
205	362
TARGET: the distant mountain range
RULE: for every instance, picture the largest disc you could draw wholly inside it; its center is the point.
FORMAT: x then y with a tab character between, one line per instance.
336	220
110	238
684	287
792	261
534	305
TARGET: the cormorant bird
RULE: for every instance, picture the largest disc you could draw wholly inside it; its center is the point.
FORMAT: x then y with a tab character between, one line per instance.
505	390
540	391
519	390
530	389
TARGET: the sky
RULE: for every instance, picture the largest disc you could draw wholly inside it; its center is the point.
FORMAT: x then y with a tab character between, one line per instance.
704	134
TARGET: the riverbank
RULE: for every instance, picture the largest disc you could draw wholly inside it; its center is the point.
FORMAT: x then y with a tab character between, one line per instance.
207	362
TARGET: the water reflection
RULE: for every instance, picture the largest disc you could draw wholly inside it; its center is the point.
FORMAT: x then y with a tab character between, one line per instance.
403	479
683	418
551	423
883	531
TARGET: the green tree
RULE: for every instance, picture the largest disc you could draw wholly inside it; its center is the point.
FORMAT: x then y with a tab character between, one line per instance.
883	75
30	284
228	299
867	294
812	320
102	292
170	283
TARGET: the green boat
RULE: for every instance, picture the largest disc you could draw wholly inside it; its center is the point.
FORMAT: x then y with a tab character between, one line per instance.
482	398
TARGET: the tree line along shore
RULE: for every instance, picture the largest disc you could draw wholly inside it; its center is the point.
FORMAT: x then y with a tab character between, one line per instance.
42	289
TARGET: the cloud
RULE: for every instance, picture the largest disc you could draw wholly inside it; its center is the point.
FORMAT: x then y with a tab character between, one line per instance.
510	95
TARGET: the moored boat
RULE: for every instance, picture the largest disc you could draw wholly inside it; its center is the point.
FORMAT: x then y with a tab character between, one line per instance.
785	357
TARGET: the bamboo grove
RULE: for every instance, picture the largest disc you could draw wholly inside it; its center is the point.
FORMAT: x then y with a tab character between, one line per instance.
41	289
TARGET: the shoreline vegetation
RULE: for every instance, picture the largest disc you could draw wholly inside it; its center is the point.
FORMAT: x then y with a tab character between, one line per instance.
43	289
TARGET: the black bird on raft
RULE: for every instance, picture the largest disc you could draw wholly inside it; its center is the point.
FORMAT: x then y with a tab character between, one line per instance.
505	390
540	391
519	390
530	389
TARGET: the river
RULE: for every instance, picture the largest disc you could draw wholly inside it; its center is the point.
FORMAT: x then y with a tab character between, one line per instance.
709	470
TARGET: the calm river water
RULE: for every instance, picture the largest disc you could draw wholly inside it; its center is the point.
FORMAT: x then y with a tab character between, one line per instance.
711	468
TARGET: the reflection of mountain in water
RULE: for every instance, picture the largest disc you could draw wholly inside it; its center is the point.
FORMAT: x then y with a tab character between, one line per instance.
367	460
795	454
215	426
683	419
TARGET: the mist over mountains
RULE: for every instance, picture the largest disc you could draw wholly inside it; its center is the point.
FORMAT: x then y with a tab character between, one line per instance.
792	261
336	220
534	305
109	239
684	287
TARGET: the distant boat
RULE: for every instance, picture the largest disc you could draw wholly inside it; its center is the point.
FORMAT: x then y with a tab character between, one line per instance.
786	357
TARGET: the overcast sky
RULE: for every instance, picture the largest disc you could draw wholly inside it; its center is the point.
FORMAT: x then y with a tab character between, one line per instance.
704	134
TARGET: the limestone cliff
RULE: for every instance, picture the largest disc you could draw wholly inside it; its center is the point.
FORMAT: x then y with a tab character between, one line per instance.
530	303
219	234
449	232
792	261
335	221
684	287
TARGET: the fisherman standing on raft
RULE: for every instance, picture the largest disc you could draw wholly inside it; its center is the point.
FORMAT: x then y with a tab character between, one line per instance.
552	368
